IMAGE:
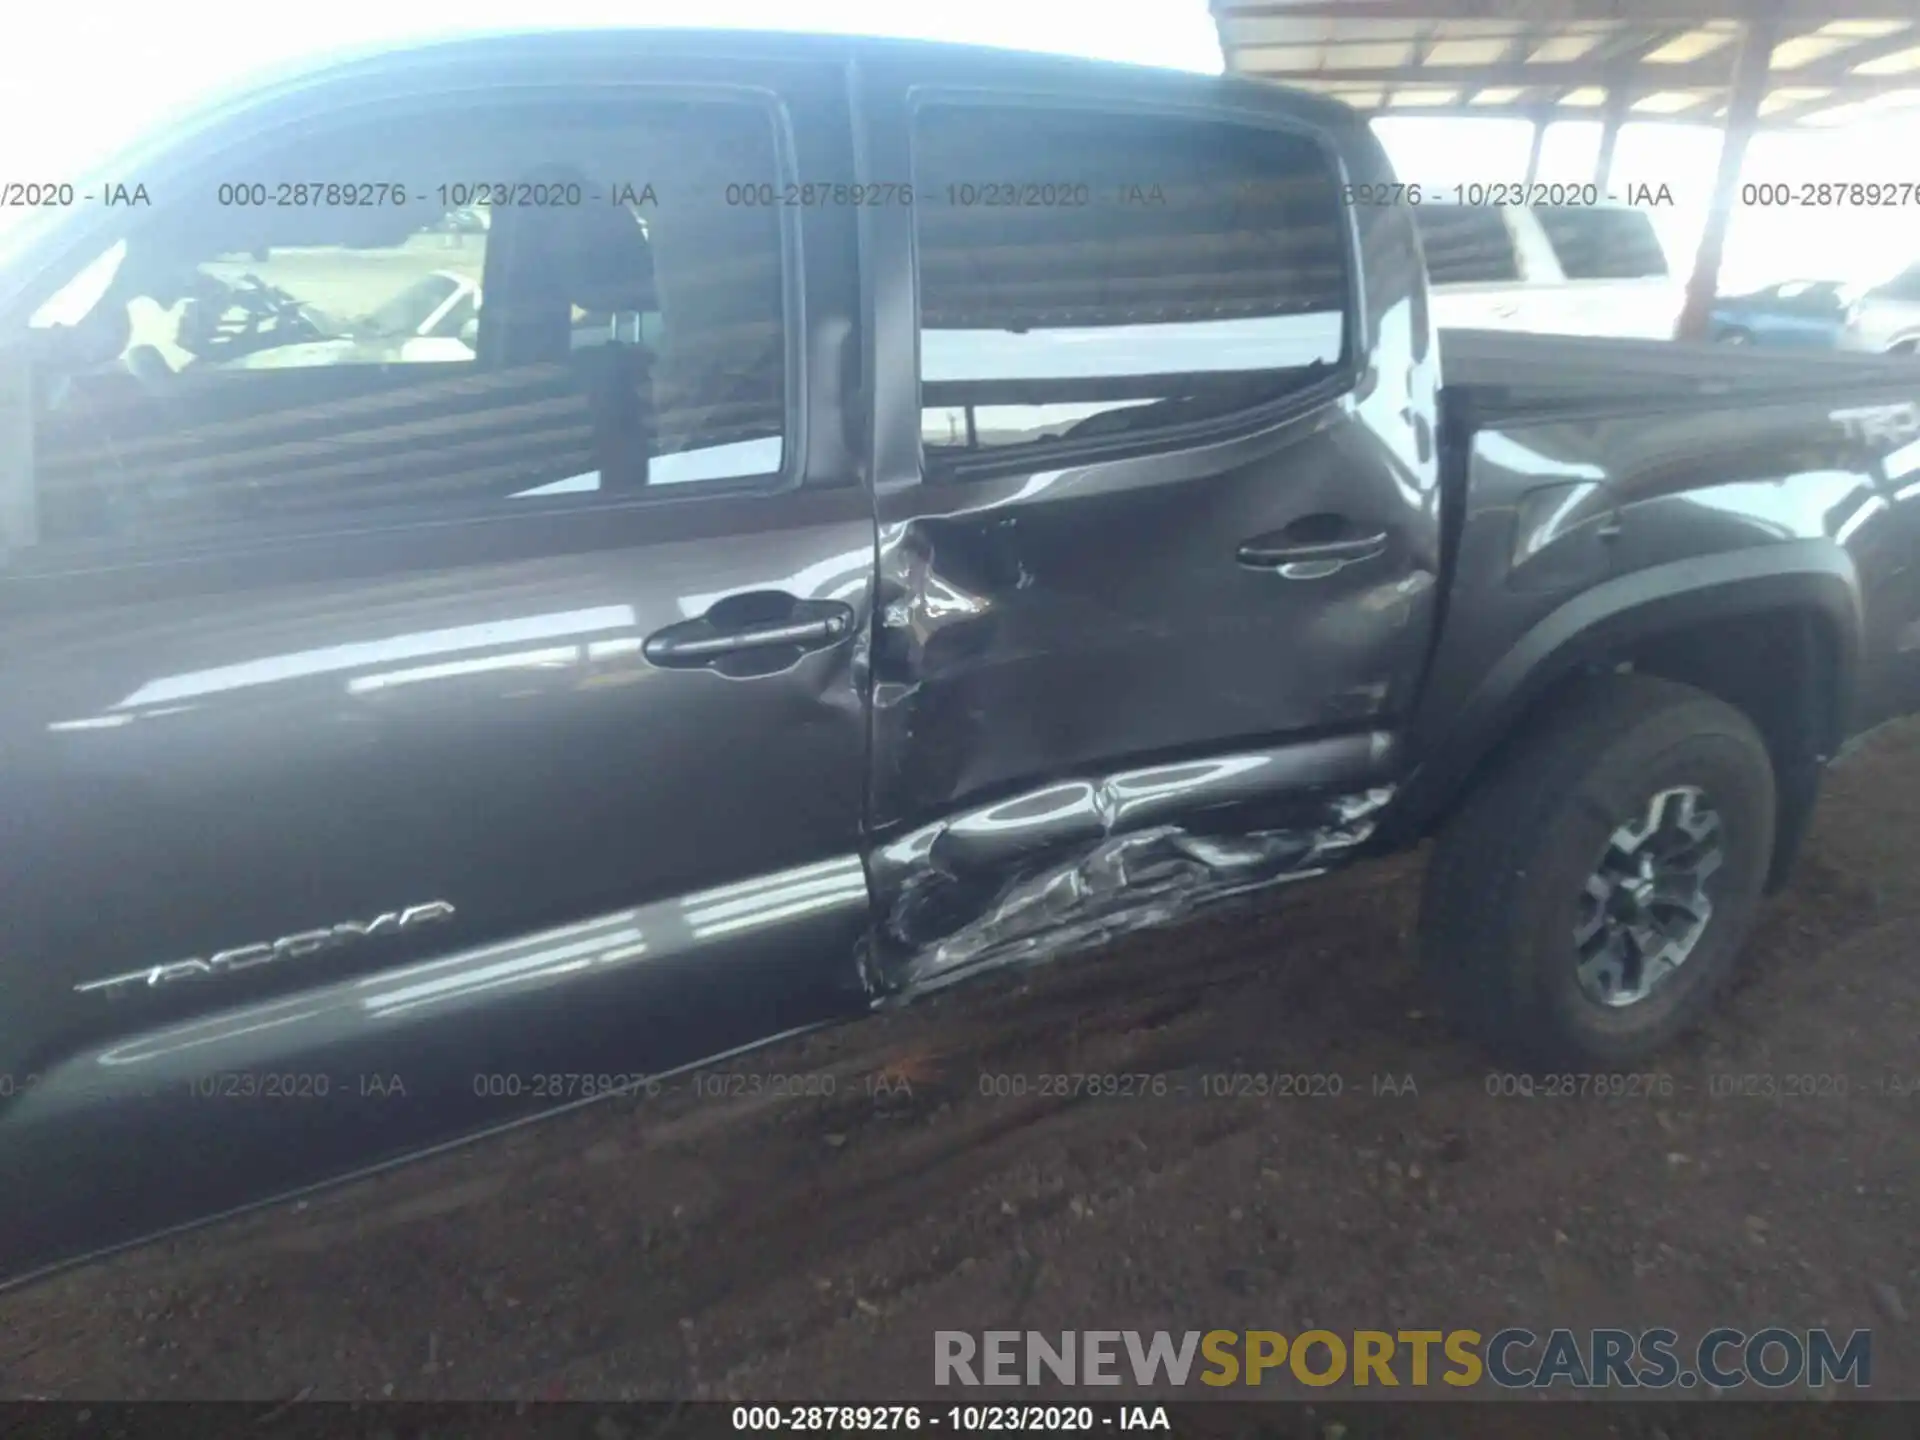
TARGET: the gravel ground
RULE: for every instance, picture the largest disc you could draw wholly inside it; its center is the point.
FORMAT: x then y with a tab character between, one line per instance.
763	1246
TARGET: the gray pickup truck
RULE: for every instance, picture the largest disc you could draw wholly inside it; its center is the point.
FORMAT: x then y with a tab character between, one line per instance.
905	512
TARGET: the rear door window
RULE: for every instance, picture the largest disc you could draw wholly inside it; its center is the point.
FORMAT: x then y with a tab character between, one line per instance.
1603	244
1466	245
1085	274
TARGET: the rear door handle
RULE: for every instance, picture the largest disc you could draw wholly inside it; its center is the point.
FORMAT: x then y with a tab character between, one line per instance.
727	630
1309	559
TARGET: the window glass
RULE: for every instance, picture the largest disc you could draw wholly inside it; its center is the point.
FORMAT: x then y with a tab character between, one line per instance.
531	301
1904	286
1090	274
1466	244
1811	294
72	302
1603	243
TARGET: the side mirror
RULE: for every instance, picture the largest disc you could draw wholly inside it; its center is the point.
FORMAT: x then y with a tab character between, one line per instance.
470	333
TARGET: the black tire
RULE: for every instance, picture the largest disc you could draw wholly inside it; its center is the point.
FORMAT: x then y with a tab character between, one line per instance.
1504	886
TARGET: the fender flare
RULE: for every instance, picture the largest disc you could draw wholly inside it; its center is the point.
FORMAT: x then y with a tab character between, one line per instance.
1814	577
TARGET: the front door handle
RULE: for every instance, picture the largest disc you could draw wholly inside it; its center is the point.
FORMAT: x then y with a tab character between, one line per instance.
761	622
1300	559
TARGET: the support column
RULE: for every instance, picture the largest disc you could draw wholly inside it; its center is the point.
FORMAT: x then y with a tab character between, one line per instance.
1743	116
1618	99
19	519
1533	155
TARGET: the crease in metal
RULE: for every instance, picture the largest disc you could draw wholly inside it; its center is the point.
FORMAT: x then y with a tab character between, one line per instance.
1078	864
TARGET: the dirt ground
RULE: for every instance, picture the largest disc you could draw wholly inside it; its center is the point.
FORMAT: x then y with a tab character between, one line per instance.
766	1247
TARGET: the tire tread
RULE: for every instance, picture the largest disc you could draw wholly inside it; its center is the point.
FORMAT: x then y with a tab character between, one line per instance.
1469	946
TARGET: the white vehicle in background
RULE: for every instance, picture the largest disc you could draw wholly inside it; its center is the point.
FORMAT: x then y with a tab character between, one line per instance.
1886	318
1548	269
253	325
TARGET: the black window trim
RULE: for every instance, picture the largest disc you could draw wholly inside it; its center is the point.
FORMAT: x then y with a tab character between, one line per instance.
1193	435
244	129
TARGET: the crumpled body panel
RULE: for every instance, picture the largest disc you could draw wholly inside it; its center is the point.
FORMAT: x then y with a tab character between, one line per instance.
1082	862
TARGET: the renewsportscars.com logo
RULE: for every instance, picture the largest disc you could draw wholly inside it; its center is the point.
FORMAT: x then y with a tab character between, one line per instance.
1727	1359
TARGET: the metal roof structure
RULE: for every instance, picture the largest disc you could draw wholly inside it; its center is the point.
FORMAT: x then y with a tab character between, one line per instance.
1833	61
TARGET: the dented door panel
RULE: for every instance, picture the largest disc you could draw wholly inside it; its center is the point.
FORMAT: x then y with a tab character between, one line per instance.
1081	652
1049	623
1077	863
1093	710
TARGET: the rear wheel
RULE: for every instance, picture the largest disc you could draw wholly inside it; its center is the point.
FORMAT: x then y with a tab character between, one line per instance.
1590	897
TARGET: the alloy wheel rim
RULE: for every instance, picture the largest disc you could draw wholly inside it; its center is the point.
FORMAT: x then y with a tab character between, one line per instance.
1645	906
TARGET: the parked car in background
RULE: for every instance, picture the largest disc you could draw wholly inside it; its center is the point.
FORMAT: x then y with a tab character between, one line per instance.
434	318
1887	317
1797	314
1549	269
465	220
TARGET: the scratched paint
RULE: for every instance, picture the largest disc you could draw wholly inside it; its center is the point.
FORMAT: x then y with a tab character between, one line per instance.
1080	863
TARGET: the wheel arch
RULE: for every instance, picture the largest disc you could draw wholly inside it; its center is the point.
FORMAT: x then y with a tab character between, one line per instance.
1774	631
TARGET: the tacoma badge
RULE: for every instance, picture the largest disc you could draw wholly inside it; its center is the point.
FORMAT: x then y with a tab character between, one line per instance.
287	947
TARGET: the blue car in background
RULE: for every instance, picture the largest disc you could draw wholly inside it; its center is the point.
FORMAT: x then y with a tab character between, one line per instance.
1801	314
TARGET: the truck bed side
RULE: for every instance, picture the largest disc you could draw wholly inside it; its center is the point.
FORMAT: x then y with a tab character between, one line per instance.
1672	507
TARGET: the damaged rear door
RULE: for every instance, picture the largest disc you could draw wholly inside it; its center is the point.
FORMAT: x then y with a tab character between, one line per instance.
1158	530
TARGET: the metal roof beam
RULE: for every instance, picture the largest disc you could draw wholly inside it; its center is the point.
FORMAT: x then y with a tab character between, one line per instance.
1591	114
1857	52
1645	80
1787	14
1421	49
1627	62
1518	48
1795	116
